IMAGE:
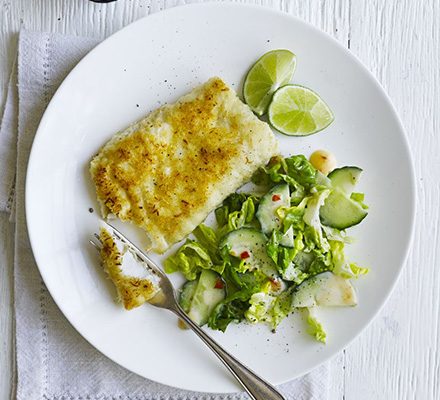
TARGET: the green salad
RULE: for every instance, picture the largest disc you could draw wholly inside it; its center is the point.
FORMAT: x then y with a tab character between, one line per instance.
269	255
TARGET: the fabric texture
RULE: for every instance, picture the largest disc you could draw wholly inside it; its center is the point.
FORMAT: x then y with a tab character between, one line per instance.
53	361
8	145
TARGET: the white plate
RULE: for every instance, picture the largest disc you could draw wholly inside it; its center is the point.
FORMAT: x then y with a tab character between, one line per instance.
156	60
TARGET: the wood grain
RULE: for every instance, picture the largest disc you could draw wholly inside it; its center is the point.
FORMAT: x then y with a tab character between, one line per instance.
6	302
398	40
397	357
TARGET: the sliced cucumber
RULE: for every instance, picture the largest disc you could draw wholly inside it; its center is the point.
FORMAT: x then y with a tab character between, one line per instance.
345	178
278	196
207	295
326	289
249	245
341	212
323	180
187	294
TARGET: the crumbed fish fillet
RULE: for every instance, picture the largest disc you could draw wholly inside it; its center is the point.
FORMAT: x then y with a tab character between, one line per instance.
134	282
166	172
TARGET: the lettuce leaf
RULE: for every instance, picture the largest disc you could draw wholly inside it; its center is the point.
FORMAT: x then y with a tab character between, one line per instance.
283	256
261	305
208	239
313	234
341	266
295	170
322	262
336	234
190	259
237	211
315	327
282	307
359	198
300	169
231	309
294	274
265	307
293	216
252	281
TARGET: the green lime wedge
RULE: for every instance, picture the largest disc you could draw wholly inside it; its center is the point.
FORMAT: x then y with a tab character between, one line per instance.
298	111
273	70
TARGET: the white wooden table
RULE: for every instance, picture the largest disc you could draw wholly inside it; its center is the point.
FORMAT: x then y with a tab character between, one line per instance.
399	42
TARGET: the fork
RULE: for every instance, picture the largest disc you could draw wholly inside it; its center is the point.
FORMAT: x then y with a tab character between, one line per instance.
256	387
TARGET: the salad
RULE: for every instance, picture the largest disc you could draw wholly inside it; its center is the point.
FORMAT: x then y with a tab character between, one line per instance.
273	253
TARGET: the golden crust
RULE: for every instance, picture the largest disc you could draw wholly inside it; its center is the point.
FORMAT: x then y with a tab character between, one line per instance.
132	291
168	171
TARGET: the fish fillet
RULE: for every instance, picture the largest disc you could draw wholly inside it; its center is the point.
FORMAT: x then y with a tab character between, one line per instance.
166	172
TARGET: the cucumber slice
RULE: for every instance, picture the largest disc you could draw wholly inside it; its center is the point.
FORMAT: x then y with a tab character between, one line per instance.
187	295
340	212
345	178
326	289
278	196
249	245
206	296
322	179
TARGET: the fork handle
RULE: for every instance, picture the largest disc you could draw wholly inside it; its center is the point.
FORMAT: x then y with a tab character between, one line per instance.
256	387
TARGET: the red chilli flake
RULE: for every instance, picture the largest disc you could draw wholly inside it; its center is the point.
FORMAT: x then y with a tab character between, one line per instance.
275	283
276	197
244	255
219	284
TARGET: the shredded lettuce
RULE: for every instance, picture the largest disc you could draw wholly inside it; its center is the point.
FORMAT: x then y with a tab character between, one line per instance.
300	249
294	274
237	211
293	217
341	266
265	307
249	280
300	169
314	235
231	309
190	259
261	305
315	327
208	239
359	198
321	262
282	307
295	170
283	256
336	234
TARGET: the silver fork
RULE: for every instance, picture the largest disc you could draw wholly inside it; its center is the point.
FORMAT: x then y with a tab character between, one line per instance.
256	387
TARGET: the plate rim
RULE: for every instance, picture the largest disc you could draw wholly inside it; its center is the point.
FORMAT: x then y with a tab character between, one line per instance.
228	4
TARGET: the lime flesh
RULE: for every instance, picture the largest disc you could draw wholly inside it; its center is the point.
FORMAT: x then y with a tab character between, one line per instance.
298	111
273	70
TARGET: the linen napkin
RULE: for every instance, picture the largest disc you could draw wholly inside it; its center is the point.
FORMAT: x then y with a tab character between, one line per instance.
53	361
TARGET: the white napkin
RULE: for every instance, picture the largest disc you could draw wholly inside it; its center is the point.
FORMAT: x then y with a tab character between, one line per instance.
8	145
53	361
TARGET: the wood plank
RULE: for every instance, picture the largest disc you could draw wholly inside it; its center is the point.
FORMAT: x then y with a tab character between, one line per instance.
6	305
397	357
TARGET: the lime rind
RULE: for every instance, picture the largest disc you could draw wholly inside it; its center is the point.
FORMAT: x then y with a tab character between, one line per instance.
271	71
298	111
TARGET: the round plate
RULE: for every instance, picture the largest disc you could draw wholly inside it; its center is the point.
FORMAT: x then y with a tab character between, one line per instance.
156	60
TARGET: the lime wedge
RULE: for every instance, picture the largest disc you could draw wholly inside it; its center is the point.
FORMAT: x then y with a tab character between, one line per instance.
273	70
298	111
